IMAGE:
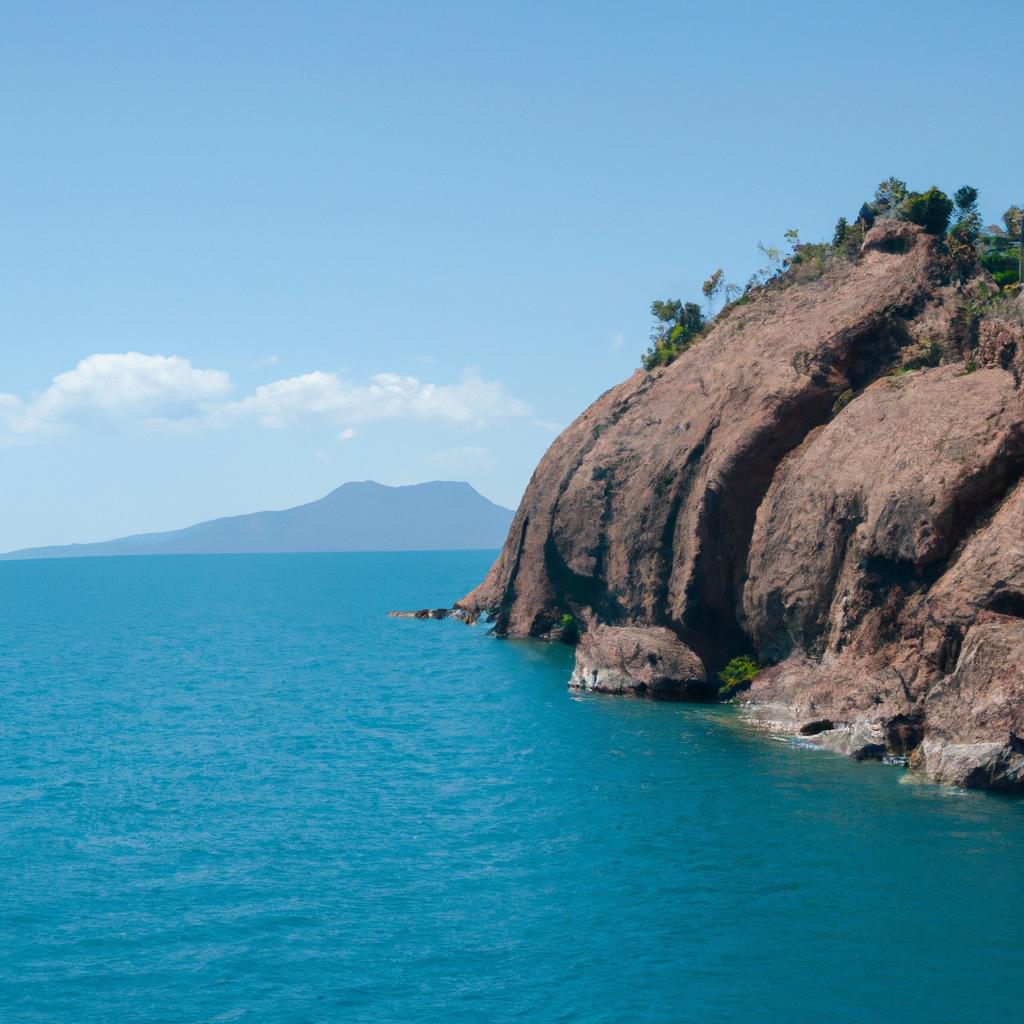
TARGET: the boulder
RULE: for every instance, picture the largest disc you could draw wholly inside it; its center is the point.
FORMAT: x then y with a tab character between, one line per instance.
639	661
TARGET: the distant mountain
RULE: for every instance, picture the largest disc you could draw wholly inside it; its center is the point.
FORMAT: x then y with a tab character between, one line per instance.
439	516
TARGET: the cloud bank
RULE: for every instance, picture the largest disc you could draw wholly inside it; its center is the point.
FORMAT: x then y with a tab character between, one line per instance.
131	389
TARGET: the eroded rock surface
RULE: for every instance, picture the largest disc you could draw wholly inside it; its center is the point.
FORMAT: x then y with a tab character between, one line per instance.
641	662
641	510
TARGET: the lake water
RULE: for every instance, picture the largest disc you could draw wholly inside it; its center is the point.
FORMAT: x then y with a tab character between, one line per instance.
231	789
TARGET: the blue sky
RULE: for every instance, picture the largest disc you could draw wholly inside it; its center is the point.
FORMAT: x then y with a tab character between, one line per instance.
252	250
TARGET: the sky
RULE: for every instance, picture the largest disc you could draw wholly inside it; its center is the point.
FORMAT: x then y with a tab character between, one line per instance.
250	251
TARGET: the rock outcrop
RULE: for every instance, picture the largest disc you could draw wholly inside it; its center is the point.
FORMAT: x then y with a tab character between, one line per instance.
788	489
641	662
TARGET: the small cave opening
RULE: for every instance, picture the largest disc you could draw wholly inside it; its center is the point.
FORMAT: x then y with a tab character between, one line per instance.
1007	602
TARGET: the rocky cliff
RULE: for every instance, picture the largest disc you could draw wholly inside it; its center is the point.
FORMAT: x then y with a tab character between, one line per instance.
787	489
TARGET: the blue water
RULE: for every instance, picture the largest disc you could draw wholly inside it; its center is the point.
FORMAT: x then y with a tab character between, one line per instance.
232	790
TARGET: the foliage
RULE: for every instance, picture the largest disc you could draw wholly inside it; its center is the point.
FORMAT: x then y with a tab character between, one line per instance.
866	215
842	401
677	325
712	286
1001	256
965	234
1003	263
848	238
809	261
737	675
1013	219
773	254
928	354
890	197
929	209
570	629
965	202
962	246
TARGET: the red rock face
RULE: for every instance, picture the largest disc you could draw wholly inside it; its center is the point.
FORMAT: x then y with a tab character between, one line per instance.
640	662
725	500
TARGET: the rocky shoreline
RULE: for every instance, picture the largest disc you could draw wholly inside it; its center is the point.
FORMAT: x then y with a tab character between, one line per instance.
804	489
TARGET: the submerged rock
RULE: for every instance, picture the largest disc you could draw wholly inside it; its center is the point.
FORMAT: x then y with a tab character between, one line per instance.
437	613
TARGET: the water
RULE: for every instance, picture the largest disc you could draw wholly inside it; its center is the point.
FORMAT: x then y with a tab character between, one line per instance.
232	790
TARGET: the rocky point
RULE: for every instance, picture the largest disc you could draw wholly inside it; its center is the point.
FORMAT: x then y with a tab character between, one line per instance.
787	489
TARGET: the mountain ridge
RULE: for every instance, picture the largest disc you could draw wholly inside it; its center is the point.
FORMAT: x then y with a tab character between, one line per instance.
363	515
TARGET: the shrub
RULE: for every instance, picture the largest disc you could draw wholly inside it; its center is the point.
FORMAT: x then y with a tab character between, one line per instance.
842	401
677	325
809	261
852	239
1003	264
889	195
737	675
570	629
928	354
929	209
1013	218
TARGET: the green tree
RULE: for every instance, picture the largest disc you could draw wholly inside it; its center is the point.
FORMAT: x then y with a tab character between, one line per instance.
889	197
963	237
929	209
677	324
1012	219
711	288
848	238
965	202
737	675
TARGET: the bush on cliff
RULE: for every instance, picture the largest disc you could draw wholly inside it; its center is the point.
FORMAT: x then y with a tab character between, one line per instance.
890	196
929	354
963	238
931	210
1001	256
737	675
677	325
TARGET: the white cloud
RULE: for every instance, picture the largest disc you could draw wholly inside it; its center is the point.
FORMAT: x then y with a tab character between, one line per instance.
267	361
127	386
132	389
616	343
473	401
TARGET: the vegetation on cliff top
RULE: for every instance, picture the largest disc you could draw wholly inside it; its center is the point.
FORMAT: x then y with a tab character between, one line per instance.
970	248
